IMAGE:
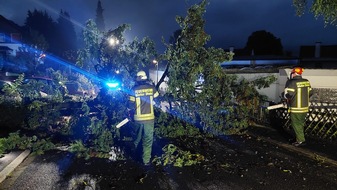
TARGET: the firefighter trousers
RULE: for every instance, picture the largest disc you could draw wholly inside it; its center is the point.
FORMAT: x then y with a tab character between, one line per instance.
297	123
144	136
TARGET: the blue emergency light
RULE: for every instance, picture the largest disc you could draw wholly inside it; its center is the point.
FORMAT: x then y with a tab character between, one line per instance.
112	84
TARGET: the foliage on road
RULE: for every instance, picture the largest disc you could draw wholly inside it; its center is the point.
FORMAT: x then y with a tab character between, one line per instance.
173	155
203	98
17	141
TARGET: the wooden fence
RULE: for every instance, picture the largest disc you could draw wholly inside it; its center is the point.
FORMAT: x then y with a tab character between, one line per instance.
321	120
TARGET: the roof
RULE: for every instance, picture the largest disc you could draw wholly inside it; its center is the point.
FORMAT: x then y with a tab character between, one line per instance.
264	57
327	51
244	54
8	26
5	48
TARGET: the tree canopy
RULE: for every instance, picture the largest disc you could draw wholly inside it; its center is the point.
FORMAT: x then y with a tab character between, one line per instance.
199	90
99	17
67	38
264	43
108	51
40	24
201	94
320	8
43	32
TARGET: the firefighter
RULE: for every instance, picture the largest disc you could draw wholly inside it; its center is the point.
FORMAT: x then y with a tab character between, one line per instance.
141	103
297	92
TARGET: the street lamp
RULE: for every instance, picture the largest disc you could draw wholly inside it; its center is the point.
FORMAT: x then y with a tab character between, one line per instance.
156	63
113	41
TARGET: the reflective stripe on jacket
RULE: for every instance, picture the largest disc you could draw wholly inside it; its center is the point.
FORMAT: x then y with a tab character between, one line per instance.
142	99
298	90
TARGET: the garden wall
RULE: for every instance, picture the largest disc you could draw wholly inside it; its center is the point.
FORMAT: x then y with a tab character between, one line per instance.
319	79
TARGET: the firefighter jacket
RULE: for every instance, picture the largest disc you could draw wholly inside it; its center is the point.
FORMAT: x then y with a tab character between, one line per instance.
141	101
298	92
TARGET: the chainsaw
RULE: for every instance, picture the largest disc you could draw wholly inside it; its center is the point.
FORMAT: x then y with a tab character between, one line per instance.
120	124
281	105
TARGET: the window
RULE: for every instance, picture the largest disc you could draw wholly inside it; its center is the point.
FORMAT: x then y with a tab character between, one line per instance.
15	37
2	37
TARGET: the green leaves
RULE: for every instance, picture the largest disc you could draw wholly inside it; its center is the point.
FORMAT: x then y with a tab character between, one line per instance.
169	126
15	140
325	8
264	82
37	105
79	149
124	58
300	6
174	156
203	94
14	89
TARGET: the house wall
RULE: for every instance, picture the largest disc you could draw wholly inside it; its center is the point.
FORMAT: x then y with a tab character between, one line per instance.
319	78
153	77
14	46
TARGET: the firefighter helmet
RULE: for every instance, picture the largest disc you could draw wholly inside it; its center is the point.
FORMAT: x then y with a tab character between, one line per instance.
141	75
298	70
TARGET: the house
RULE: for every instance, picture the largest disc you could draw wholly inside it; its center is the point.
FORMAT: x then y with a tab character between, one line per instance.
10	37
248	61
318	56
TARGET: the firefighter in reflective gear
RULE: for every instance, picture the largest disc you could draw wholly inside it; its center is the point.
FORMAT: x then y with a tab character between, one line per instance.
297	92
141	102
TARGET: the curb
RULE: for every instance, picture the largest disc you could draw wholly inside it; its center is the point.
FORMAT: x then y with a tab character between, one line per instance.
310	154
10	167
307	153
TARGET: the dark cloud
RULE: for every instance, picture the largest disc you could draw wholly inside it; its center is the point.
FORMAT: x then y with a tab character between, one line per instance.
229	22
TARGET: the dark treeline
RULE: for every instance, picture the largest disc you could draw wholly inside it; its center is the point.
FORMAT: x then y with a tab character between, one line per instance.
56	37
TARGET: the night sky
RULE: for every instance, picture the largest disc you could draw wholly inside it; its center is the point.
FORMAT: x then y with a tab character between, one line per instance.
229	22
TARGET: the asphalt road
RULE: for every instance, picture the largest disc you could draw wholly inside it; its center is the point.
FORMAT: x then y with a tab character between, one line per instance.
234	162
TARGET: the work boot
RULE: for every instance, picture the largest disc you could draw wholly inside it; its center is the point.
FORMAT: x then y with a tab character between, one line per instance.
299	143
148	167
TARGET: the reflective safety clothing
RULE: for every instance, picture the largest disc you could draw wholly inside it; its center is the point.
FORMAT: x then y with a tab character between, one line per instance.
297	91
141	101
142	96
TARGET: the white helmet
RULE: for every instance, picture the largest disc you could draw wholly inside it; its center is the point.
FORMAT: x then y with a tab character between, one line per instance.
141	75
